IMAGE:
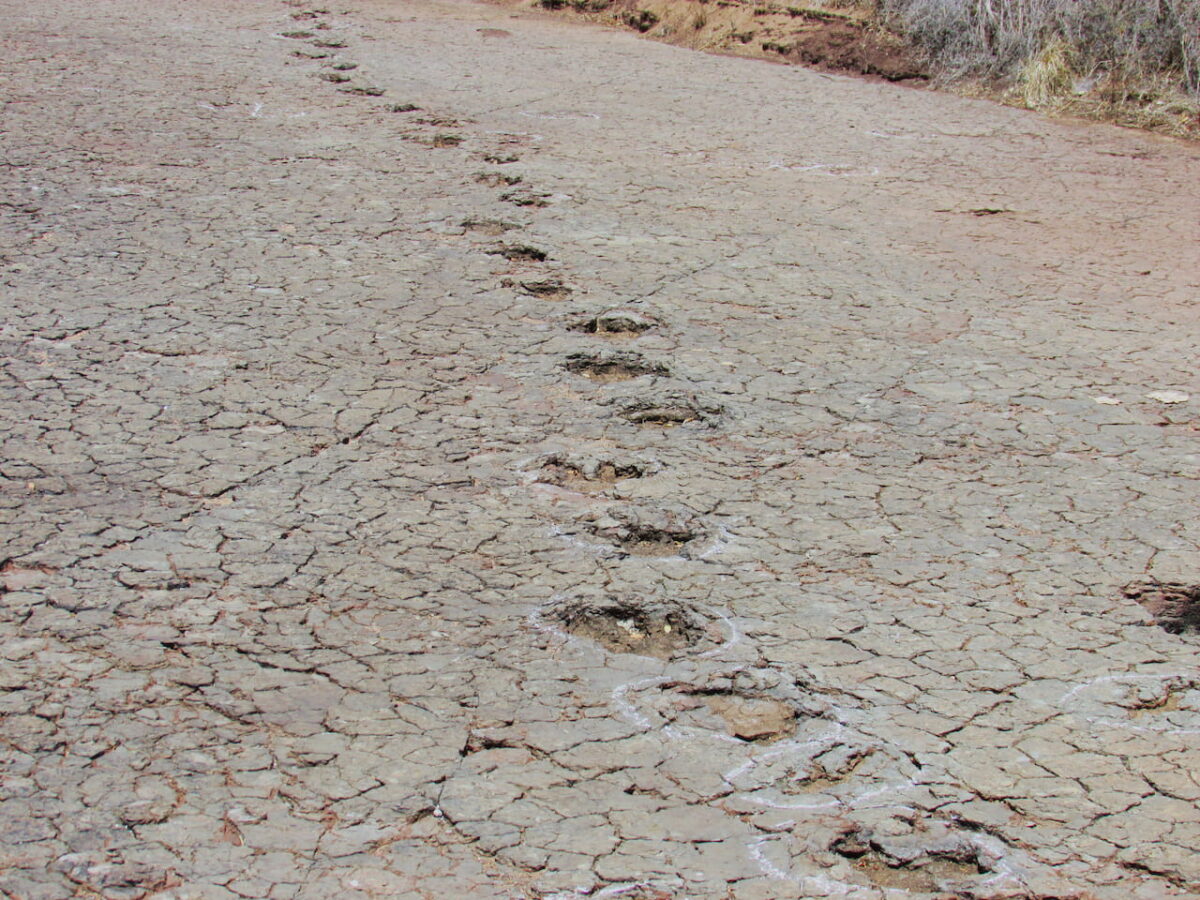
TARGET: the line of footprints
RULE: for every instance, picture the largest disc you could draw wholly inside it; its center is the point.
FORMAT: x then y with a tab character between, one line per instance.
785	745
662	532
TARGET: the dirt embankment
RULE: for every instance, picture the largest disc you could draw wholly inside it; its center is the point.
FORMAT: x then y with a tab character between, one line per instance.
830	40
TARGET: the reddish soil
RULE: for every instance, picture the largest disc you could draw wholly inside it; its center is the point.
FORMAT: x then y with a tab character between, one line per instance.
849	47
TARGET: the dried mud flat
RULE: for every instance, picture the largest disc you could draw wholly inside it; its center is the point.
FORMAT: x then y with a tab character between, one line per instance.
452	453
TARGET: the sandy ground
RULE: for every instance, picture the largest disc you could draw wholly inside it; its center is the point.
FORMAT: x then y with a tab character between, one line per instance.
629	473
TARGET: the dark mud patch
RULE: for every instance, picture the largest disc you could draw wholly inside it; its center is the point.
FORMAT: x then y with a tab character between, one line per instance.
581	6
526	198
489	227
334	77
590	475
615	323
648	540
605	368
1174	606
497	179
520	253
364	91
551	289
501	159
403	108
440	121
661	629
482	742
903	864
669	412
437	141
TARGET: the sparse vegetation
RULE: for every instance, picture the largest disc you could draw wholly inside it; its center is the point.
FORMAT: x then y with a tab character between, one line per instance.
1137	61
1120	38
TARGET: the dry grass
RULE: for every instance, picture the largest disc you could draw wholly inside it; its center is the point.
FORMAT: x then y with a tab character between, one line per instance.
1047	78
701	27
1136	62
1130	38
686	23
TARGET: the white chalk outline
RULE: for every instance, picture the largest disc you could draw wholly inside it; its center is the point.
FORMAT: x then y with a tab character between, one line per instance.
827	169
1069	703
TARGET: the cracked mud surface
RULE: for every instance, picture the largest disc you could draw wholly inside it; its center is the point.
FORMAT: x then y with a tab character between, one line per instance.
283	534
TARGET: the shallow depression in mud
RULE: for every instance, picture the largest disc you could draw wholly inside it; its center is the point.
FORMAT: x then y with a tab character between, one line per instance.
752	718
651	532
520	253
1174	606
885	864
669	412
741	706
661	629
834	766
650	540
605	368
615	323
546	289
489	227
590	474
745	713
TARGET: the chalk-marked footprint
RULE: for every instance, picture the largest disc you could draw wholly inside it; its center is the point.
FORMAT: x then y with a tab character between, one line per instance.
799	751
810	885
624	539
747	706
631	623
811	761
957	856
1160	702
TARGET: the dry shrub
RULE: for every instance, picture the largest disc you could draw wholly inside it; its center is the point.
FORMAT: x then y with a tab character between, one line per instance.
1124	39
1047	77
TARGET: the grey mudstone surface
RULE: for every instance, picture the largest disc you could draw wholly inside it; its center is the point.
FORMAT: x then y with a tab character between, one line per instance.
296	480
